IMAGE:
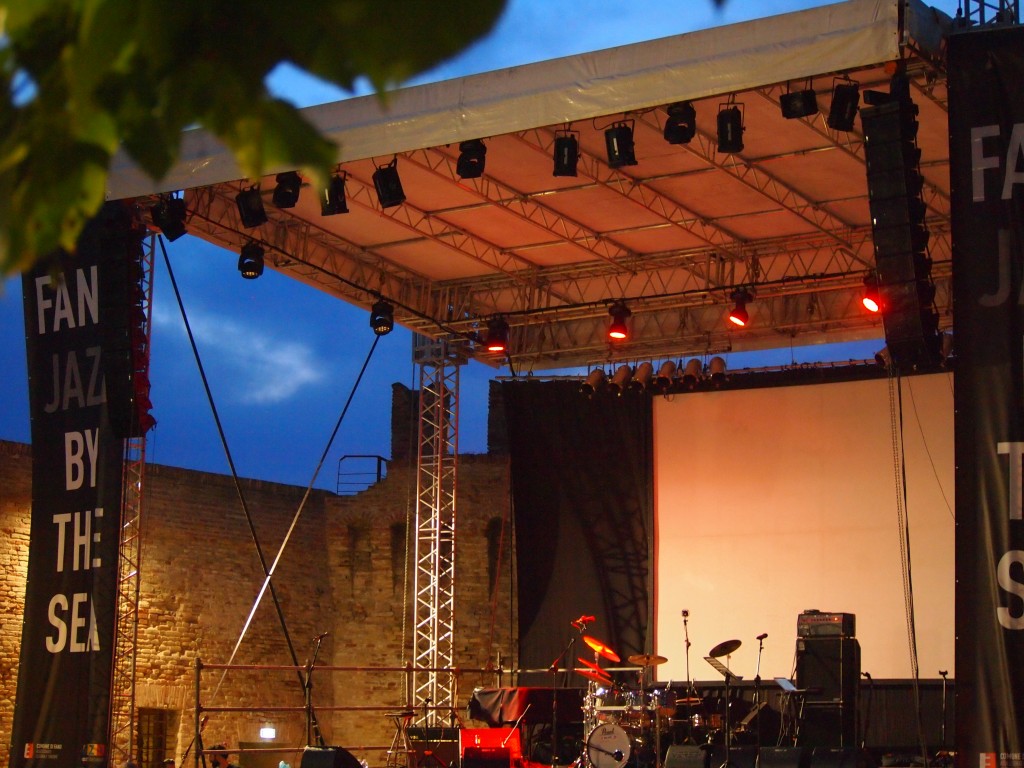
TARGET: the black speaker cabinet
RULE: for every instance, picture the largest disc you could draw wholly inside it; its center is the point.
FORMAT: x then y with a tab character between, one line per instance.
328	757
839	758
686	756
486	757
828	669
784	757
739	757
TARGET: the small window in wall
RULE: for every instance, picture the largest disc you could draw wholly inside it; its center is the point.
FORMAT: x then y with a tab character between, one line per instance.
157	737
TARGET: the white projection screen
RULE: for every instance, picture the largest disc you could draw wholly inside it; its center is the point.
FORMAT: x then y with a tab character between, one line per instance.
769	502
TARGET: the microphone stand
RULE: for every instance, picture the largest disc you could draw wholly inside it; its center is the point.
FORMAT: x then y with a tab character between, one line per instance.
308	686
757	690
691	692
554	696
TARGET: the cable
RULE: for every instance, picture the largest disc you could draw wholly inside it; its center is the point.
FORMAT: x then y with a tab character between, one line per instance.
924	442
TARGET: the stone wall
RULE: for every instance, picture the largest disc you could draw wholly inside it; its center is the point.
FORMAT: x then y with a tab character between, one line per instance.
346	571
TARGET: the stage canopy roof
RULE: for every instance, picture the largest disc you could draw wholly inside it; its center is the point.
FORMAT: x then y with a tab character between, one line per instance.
674	235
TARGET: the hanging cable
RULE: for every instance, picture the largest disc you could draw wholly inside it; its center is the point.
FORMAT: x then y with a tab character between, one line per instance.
238	490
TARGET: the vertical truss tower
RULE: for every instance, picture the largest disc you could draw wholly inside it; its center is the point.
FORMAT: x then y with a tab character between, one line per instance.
992	11
434	580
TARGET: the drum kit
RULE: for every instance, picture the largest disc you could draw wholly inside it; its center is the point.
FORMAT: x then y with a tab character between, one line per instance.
630	723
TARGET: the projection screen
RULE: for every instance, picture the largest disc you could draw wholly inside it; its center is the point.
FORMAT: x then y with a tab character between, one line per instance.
769	502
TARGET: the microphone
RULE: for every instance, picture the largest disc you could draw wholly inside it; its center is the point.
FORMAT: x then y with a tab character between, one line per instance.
582	620
685	613
762	636
617	754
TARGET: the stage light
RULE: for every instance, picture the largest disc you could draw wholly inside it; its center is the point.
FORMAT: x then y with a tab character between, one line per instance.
618	141
871	299
681	124
618	330
843	110
620	380
332	200
497	334
739	315
716	370
730	129
250	261
250	207
799	104
382	318
268	732
666	374
286	193
692	372
169	215
642	377
595	381
471	160
566	153
883	357
388	184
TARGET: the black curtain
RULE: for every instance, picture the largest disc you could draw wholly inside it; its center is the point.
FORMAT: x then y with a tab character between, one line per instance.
582	493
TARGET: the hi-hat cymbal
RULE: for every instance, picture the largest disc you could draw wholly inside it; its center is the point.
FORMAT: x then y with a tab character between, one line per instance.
596	675
591	664
724	648
600	648
646	659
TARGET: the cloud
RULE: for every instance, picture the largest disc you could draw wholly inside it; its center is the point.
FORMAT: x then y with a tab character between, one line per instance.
262	367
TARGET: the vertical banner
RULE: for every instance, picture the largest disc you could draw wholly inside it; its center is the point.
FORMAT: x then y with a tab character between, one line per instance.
73	311
986	121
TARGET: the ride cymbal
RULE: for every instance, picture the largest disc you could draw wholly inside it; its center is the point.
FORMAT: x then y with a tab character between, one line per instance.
646	659
601	649
724	648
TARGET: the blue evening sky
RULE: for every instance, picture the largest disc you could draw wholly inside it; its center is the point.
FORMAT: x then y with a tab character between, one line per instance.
281	357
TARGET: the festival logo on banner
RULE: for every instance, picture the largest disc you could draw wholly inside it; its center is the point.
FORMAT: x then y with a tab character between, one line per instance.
986	111
74	314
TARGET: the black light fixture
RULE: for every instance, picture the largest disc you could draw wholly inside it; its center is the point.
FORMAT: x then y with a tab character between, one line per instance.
250	261
618	141
716	370
730	129
618	330
739	315
497	334
169	215
250	207
797	104
871	299
472	156
566	153
332	199
388	184
382	317
594	382
286	193
642	377
692	372
681	124
666	373
843	110
620	380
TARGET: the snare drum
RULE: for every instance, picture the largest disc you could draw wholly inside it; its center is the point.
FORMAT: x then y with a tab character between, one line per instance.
608	746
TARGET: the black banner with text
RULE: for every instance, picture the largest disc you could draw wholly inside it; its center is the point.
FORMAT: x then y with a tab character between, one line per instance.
986	116
62	710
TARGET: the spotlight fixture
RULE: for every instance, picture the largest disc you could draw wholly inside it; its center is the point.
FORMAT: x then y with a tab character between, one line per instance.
169	215
843	110
566	153
692	372
332	199
618	141
666	373
871	299
250	261
497	334
681	125
799	104
620	380
730	129
739	315
382	317
471	159
286	193
642	377
618	330
250	207
716	370
388	184
595	380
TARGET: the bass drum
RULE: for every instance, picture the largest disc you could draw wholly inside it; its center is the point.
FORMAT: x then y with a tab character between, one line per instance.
608	746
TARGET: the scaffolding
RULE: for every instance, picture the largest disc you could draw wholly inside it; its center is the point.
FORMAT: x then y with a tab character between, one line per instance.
980	12
434	687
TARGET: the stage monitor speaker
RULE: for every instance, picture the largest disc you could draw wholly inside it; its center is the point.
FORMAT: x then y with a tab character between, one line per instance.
784	757
739	757
686	756
486	757
328	757
839	758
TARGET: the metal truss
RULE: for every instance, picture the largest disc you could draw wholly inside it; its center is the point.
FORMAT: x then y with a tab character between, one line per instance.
434	683
992	12
122	689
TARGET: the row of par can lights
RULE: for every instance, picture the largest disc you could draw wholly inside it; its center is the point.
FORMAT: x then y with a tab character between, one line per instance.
670	377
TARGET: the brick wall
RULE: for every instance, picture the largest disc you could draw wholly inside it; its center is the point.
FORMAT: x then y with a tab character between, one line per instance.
344	572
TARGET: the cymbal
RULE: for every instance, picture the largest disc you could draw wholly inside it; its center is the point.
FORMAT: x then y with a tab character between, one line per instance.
724	648
591	664
596	676
646	659
600	648
689	701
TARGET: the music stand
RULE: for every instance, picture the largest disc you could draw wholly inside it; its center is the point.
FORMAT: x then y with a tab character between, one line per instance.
729	676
